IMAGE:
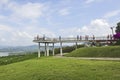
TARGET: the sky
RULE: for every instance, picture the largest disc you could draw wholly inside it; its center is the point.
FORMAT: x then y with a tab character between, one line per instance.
22	20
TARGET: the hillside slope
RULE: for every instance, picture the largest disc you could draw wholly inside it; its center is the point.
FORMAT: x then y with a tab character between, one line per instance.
109	51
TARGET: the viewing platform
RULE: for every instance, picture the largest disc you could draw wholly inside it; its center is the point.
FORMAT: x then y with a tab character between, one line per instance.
78	39
72	39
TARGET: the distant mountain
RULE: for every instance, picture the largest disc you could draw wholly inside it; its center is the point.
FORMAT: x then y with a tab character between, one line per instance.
3	47
18	48
31	48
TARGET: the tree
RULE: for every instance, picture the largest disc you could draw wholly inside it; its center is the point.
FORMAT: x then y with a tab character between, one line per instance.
117	35
118	28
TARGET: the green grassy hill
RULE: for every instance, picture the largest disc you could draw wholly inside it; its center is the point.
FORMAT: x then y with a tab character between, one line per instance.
109	51
49	68
29	67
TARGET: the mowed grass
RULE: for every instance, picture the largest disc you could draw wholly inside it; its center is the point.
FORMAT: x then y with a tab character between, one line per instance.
52	68
109	51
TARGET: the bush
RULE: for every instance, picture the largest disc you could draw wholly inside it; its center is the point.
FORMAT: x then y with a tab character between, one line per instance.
117	42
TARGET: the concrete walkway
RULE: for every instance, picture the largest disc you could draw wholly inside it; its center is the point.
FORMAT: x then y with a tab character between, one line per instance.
90	58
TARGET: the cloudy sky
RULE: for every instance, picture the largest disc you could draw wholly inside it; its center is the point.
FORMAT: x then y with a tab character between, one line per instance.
21	20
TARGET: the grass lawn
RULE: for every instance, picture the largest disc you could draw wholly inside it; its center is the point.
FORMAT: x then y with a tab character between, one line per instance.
51	68
109	51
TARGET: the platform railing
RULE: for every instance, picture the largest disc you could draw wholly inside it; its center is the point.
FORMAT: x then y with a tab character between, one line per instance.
72	38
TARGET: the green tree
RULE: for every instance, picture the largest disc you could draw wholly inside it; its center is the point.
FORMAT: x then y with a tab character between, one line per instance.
117	35
118	28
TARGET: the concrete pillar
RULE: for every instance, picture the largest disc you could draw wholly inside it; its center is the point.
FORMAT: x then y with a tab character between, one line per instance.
76	46
53	50
38	49
61	53
47	49
59	38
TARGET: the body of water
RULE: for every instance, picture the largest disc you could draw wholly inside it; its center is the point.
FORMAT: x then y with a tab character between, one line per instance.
13	53
4	54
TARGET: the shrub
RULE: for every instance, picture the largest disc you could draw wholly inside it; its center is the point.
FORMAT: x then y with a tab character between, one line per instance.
117	36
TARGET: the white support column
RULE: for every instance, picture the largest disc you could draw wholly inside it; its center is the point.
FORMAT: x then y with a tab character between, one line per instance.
39	49
47	49
61	53
53	50
76	45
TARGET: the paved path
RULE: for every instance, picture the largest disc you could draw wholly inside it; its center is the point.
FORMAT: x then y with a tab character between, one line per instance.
89	58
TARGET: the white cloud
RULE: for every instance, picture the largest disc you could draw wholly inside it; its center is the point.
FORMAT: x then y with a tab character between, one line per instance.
99	23
92	1
89	1
16	38
14	12
97	27
21	36
69	32
4	1
4	4
2	17
64	12
112	14
4	28
43	31
3	40
27	11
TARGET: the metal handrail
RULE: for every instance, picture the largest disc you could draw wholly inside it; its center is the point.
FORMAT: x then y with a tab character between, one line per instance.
72	38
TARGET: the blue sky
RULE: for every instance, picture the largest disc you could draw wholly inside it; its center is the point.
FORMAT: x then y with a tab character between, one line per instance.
21	20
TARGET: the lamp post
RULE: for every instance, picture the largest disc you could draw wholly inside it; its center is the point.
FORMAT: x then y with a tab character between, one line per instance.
112	29
43	36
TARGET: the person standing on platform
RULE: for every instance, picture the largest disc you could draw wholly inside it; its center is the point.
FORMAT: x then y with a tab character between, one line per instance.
93	37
